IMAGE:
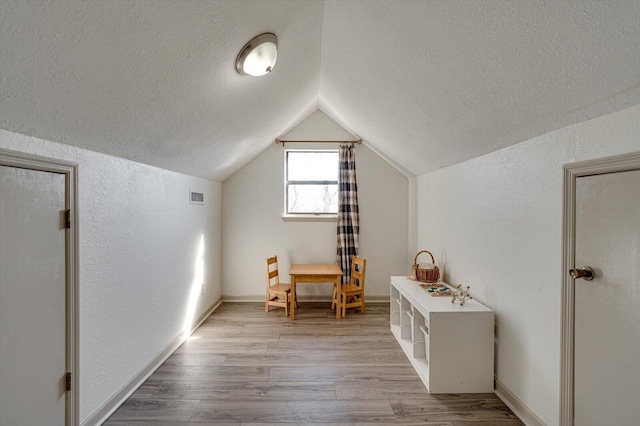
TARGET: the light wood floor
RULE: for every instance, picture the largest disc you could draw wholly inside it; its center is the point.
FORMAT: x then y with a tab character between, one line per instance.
244	366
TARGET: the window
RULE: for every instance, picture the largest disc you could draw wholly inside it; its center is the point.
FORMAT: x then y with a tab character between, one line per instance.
311	182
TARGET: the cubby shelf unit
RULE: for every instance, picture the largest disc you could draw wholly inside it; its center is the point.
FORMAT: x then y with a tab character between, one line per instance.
450	346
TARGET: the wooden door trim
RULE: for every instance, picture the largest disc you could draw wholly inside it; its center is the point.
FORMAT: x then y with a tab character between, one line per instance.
572	172
70	171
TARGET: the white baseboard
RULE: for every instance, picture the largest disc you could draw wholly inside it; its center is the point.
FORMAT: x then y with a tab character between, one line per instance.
516	405
301	298
102	413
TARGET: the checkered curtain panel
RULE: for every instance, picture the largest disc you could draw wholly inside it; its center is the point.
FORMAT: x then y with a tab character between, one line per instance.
348	214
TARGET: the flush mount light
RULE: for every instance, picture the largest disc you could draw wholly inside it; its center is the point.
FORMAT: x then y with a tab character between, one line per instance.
258	56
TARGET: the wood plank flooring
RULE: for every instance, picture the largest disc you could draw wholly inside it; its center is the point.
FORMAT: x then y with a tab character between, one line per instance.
246	367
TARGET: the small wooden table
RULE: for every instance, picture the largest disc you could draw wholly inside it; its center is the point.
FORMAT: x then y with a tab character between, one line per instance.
313	274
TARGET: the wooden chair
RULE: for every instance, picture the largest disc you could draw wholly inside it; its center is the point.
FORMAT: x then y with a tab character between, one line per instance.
276	288
352	295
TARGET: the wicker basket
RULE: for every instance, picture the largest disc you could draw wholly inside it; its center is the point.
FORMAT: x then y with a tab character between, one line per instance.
425	275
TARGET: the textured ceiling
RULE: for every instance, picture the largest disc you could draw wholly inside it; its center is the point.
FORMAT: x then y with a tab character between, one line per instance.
425	83
433	83
155	81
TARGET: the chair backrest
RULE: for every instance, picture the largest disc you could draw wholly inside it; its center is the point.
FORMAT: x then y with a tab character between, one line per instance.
272	271
358	271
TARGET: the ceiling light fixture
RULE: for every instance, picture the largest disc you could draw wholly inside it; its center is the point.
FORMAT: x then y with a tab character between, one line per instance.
258	56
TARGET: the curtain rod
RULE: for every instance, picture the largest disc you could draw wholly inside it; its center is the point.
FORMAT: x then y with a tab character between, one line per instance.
359	141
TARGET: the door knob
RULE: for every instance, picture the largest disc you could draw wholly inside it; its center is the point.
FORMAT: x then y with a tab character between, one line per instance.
585	273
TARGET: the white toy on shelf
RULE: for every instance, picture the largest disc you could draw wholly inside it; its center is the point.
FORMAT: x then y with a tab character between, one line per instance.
461	295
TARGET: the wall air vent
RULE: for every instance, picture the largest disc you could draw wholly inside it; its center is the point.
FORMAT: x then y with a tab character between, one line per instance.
196	197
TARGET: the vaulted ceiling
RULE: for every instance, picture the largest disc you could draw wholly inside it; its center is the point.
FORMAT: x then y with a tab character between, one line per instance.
424	83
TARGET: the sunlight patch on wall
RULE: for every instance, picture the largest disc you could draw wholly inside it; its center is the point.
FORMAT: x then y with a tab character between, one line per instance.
194	293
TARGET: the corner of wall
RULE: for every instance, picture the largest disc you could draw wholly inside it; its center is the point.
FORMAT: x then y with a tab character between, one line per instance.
412	240
516	405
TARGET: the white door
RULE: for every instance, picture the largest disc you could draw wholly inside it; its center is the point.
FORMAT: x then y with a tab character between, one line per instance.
607	308
32	298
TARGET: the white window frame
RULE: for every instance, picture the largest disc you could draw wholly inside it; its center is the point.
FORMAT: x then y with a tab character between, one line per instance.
305	216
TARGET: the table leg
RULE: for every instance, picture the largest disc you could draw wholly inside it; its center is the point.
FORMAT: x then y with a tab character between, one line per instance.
336	283
292	301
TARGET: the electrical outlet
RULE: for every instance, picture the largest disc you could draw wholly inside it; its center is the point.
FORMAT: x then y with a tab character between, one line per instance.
204	287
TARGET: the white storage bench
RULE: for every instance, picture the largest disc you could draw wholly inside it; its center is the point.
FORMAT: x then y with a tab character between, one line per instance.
450	346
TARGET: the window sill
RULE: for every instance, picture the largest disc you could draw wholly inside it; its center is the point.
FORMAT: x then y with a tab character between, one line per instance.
309	218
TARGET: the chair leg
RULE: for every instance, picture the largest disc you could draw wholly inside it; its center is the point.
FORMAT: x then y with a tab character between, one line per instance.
286	304
362	299
334	298
266	303
343	302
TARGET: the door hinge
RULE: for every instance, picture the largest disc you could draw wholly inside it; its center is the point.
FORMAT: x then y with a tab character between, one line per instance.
67	382
67	219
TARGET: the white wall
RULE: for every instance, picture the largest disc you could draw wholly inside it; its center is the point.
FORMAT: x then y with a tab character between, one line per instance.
139	242
495	223
253	204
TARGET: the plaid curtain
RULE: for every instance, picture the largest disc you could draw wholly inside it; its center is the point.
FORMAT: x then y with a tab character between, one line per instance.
348	215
